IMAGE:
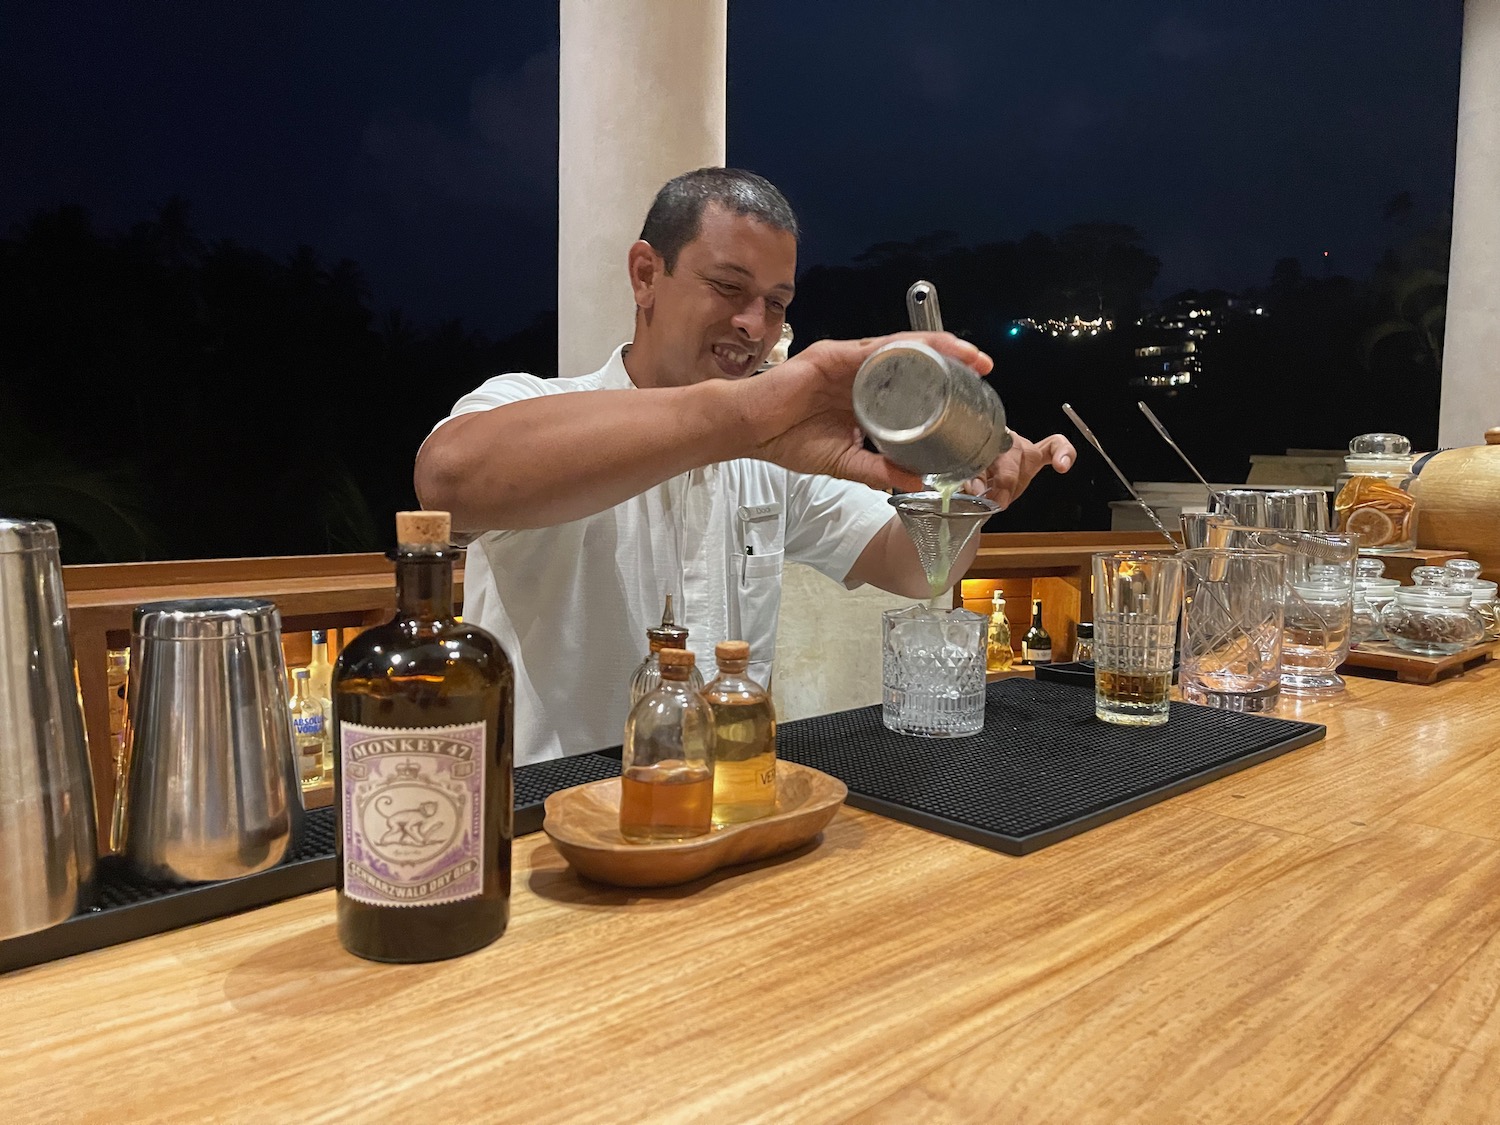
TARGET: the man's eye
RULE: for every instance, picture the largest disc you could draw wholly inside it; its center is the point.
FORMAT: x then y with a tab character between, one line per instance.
776	306
725	288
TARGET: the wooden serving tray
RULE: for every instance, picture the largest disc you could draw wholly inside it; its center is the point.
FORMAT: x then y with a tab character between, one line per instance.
584	824
1409	668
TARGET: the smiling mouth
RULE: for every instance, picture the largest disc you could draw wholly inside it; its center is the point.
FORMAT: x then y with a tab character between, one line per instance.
734	361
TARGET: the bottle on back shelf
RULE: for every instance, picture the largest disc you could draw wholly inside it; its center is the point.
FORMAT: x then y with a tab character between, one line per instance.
667	759
1036	645
1083	651
319	670
668	634
744	739
423	711
310	732
998	656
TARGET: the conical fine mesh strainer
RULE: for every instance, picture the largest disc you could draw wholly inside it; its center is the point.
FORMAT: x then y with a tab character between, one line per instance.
941	536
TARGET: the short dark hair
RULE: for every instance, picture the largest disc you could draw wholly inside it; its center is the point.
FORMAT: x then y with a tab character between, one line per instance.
676	214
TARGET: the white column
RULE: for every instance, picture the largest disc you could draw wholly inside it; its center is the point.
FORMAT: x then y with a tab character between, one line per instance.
641	100
1471	354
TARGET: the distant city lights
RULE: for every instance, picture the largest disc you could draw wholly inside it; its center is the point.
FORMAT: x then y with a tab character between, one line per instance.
1168	344
1069	328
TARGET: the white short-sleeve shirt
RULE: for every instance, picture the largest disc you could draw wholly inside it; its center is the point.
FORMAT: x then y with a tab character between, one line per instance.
571	603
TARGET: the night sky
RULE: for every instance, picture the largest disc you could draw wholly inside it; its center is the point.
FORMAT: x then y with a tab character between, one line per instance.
422	142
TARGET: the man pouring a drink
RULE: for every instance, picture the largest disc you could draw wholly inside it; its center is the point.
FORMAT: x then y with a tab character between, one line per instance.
676	469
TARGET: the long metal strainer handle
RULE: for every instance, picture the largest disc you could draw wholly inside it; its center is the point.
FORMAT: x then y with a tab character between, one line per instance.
1123	479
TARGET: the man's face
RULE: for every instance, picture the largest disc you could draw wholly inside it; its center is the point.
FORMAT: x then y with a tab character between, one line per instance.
719	313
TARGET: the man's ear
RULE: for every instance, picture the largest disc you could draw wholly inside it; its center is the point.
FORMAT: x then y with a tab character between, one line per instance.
646	267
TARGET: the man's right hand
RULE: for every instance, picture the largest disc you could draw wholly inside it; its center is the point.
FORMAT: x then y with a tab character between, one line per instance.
800	413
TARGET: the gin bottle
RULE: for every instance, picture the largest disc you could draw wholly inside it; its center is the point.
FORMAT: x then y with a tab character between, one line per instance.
422	773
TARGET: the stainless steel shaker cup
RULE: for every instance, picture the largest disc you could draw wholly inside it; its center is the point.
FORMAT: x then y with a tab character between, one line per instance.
47	829
213	791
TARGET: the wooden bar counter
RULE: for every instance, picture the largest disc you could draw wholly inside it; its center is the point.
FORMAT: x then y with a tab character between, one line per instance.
1314	940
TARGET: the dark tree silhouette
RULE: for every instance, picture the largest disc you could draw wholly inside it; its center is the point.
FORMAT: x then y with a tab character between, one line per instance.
163	398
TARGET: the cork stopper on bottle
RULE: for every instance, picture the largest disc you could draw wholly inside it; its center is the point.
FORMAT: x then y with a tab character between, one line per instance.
423	529
676	663
732	652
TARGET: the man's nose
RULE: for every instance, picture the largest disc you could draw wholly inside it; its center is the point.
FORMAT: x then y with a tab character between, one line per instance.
751	319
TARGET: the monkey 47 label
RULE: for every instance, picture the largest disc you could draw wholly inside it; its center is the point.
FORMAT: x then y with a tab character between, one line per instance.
413	805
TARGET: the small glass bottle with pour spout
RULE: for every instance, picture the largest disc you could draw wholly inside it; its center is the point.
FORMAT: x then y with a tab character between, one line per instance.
998	655
744	739
647	674
667	759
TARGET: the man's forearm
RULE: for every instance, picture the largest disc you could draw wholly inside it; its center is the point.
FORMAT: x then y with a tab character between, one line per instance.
548	460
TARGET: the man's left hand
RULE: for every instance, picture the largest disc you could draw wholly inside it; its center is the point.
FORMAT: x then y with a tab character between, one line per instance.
1012	471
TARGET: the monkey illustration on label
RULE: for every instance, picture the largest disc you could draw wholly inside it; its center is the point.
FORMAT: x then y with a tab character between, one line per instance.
413	813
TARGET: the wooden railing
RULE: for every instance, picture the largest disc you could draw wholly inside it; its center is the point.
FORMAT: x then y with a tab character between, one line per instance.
332	592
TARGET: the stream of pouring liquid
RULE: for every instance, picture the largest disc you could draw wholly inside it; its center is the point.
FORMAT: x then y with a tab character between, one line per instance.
942	564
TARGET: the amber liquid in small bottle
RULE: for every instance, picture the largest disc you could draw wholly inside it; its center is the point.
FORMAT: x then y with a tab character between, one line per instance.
667	759
668	801
745	740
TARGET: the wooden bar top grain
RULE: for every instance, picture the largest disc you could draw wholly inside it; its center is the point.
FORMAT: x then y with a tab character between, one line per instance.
1314	940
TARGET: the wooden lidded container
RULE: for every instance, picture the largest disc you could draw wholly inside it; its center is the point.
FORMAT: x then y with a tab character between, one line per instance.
1459	493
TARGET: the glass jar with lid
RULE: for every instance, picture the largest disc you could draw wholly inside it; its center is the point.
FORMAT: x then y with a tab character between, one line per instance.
1465	575
1432	620
1372	499
1484	602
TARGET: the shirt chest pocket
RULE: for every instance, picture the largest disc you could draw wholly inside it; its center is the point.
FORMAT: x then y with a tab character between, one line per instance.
762	545
762	541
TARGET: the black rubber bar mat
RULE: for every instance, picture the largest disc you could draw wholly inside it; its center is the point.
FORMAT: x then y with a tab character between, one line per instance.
1042	769
127	907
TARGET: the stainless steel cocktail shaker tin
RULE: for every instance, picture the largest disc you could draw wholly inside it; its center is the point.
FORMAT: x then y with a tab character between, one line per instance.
924	411
213	789
47	833
929	413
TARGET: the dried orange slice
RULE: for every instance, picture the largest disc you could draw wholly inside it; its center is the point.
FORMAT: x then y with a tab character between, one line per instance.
1365	489
1374	527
